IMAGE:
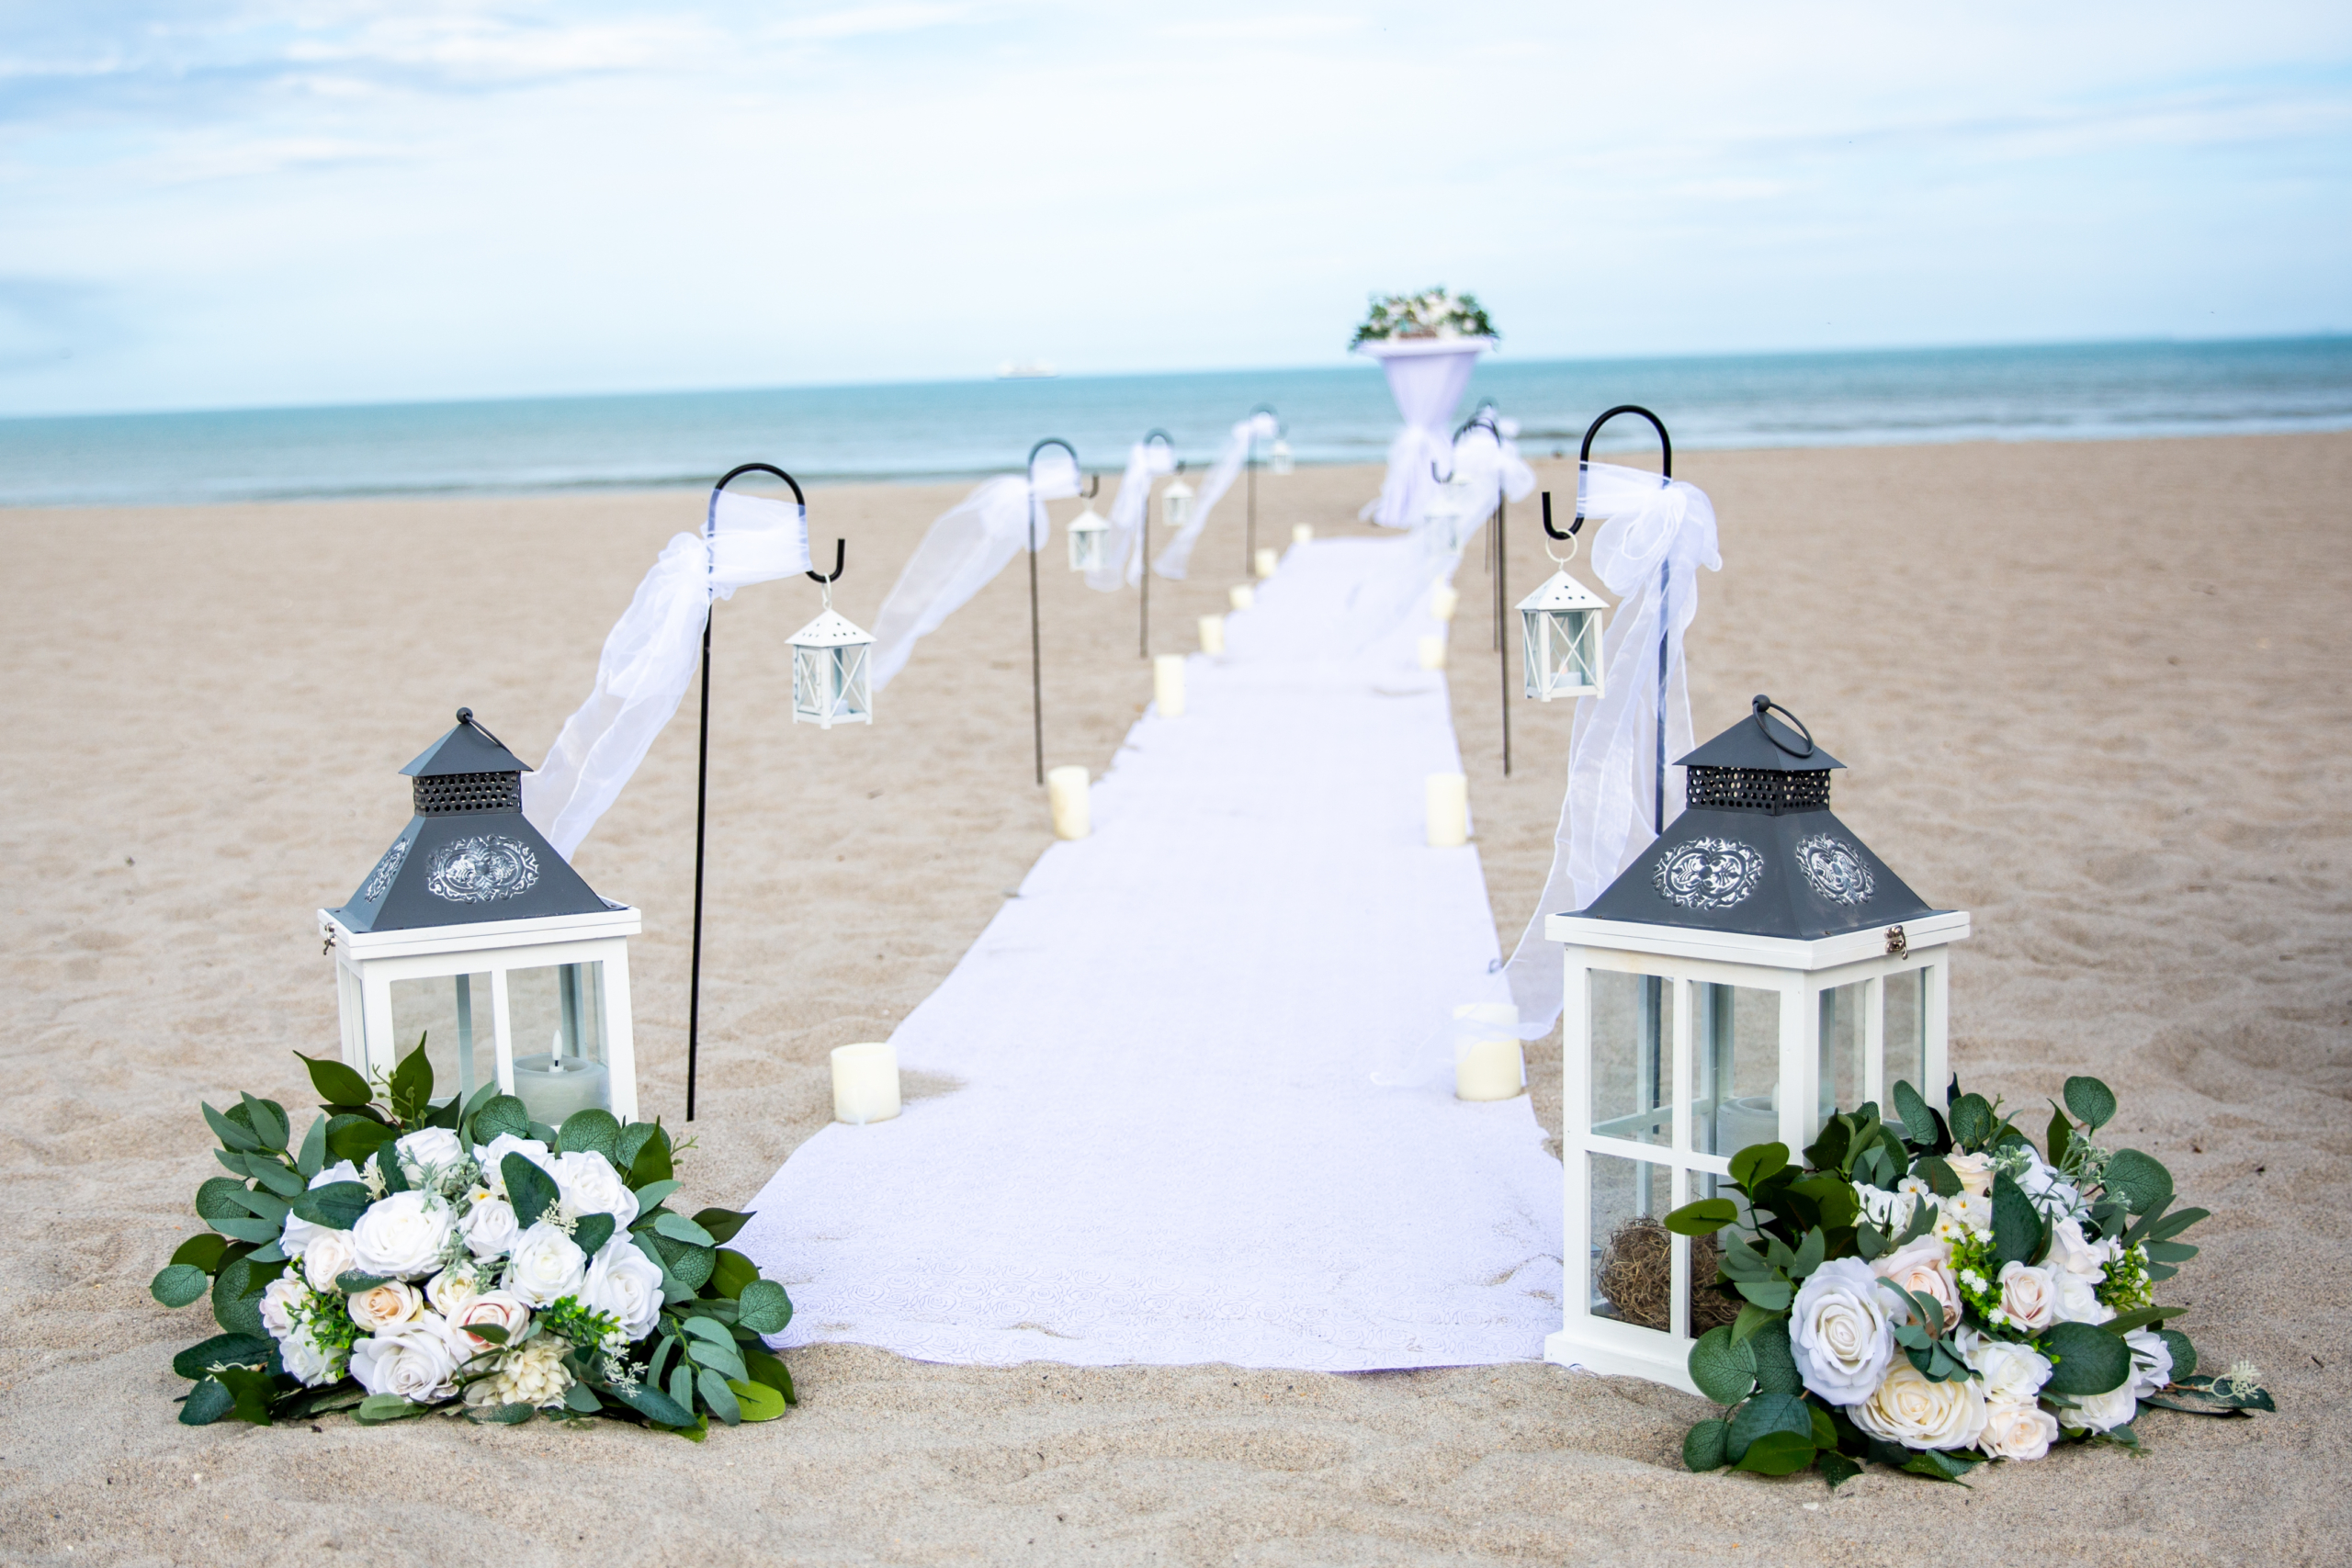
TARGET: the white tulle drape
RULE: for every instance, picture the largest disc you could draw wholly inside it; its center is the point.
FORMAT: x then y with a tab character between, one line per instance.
1487	467
1655	531
968	544
1177	558
648	659
1427	387
1123	561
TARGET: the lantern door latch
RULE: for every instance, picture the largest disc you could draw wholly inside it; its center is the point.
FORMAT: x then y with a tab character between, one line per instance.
1897	945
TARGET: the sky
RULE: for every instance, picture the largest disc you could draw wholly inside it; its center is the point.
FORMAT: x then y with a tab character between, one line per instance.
227	203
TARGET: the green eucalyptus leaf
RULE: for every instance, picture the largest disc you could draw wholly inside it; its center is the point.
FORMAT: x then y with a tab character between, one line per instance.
282	1182
677	1227
653	1403
2017	1223
1777	1453
268	1120
592	1232
412	1084
1938	1465
1723	1370
337	1205
718	1397
222	1349
2061	1133
502	1113
1835	1468
336	1083
732	1272
1811	1253
1756	1164
2184	1354
248	1228
206	1403
253	1392
355	1137
264	1205
1918	1119
1765	1412
2144	1185
179	1285
501	1414
768	1369
690	1265
380	1407
2170	1251
1751	1321
531	1190
228	1132
758	1401
590	1131
2086	1360
1973	1123
1776	1367
351	1283
1772	1295
204	1250
582	1398
722	1224
645	1148
653	1194
1941	1180
236	1294
2092	1102
763	1307
1704	1217
1703	1445
221	1198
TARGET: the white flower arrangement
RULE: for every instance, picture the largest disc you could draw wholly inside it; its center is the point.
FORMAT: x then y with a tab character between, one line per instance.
1433	313
469	1259
1939	1293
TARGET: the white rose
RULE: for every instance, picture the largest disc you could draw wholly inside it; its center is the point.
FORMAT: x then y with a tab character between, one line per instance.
1975	1173
2074	1253
304	1358
1889	1211
2078	1298
589	1185
493	1158
386	1305
1925	1264
2017	1429
499	1309
1840	1330
546	1266
2104	1412
451	1290
625	1283
2051	1193
2151	1362
2013	1373
2030	1296
279	1300
489	1227
430	1148
328	1259
418	1360
402	1237
297	1236
1908	1409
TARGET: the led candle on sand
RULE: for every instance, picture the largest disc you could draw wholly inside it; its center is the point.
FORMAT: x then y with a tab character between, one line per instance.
1302	533
1168	684
1241	596
1212	634
1066	788
1449	810
1267	560
1433	651
866	1083
1444	599
1488	1061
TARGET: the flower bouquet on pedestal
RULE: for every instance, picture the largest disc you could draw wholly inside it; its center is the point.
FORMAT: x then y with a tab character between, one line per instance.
1426	344
406	1257
1937	1293
1433	313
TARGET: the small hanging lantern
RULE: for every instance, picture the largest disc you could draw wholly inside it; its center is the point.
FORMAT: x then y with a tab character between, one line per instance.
1176	504
1560	640
832	671
1753	973
1087	531
1444	517
1278	456
471	924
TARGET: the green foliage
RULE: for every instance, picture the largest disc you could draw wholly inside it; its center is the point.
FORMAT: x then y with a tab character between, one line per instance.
768	1369
1756	1164
646	1149
1938	1465
721	1223
591	1233
179	1284
1775	1366
337	1205
1766	1413
2084	1360
691	1265
236	1294
410	1092
756	1401
2061	1133
590	1132
2019	1234
2092	1102
677	1227
338	1085
224	1350
1705	1446
354	1137
204	1250
763	1307
1973	1125
1778	1454
531	1190
2144	1185
501	1114
731	1273
1724	1369
206	1403
2184	1354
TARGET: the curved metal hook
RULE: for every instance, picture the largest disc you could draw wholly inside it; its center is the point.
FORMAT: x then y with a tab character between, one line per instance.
1759	706
1156	433
1053	441
1481	420
1094	487
1584	456
740	469
841	554
1281	428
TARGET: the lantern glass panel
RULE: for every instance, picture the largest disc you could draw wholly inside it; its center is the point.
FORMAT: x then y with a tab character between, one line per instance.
1841	1049
452	1012
1736	1035
557	1014
1561	652
1633	1044
1085	548
1631	1252
830	685
1906	1037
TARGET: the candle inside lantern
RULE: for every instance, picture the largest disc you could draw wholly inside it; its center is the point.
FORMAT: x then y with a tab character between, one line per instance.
1449	810
1488	1063
1302	533
1433	651
1267	560
1168	684
865	1082
1241	596
552	1086
1444	599
1212	634
1065	789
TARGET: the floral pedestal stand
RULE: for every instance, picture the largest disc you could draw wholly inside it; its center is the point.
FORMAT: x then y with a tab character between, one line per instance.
1427	376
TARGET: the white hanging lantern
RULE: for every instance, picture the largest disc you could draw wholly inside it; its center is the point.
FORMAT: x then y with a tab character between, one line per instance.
1278	457
473	934
832	671
1755	971
1560	640
1444	516
1176	504
1086	539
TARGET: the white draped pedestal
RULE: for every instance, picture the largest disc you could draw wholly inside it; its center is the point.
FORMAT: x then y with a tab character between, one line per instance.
1168	1147
1427	376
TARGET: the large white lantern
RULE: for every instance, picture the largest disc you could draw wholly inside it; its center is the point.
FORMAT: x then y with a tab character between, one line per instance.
1560	640
832	671
474	935
1755	971
1176	504
1086	539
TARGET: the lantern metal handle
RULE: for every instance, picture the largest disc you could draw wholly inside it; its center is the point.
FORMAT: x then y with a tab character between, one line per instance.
1584	456
466	717
1761	705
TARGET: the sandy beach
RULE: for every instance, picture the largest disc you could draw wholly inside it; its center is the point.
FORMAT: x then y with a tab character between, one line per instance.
2092	693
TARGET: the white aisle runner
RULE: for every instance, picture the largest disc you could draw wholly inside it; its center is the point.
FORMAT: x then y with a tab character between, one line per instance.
1168	1148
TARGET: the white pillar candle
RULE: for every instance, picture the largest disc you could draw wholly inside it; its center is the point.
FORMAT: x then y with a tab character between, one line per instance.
1241	596
1168	684
1065	789
1267	562
1444	599
1449	810
1488	1063
866	1083
1302	533
1433	651
1212	634
551	1087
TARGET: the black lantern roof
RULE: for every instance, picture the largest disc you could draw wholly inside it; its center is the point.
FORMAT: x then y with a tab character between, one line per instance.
1756	850
469	856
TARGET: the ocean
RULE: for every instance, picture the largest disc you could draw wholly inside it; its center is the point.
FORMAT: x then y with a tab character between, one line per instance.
1337	414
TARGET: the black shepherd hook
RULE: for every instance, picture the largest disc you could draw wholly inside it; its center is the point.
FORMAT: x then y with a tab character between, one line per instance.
1036	646
1584	456
1142	608
702	763
1484	419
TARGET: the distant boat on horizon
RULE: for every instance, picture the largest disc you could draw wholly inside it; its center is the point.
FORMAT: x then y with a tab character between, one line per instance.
1026	370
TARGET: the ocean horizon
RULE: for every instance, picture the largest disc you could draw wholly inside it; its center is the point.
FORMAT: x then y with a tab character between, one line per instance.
951	429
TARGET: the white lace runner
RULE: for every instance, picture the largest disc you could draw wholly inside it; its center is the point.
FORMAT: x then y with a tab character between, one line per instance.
1168	1147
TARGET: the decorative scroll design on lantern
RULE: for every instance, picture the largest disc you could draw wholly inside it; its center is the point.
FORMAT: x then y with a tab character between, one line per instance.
1835	870
481	870
380	879
1709	874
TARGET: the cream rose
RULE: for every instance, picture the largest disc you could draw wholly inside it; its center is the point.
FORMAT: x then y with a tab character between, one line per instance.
625	1283
546	1266
1908	1409
1840	1330
2011	1372
418	1360
2017	1429
279	1299
451	1290
1975	1173
1925	1264
2078	1298
2104	1412
2151	1362
328	1259
497	1309
386	1305
493	1158
2073	1252
2028	1295
431	1148
489	1227
296	1237
589	1185
402	1237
